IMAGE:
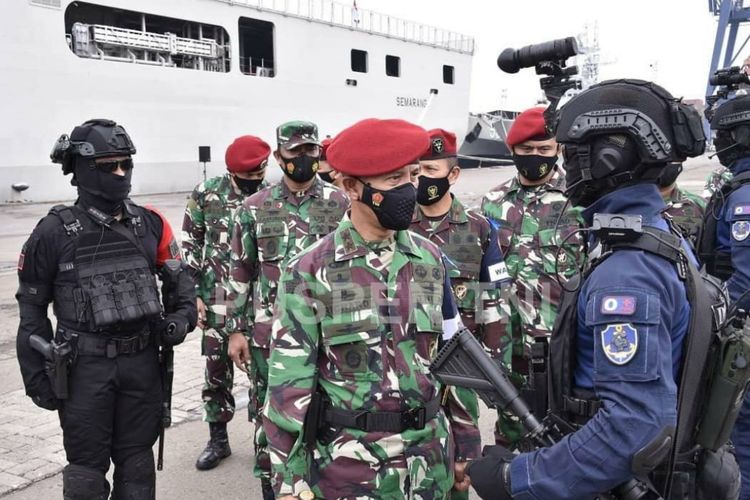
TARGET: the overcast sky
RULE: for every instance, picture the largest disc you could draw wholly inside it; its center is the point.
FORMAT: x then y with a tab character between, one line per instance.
669	41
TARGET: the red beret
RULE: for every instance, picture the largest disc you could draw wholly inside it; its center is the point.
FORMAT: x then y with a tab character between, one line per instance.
529	125
247	153
442	144
376	147
324	148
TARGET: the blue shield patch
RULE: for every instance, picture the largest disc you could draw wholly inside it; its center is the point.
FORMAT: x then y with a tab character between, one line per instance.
741	230
620	342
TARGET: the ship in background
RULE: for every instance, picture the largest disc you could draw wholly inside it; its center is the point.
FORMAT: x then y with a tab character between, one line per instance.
179	74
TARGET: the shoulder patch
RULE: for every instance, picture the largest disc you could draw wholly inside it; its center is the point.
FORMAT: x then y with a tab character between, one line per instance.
620	342
742	210
618	304
740	230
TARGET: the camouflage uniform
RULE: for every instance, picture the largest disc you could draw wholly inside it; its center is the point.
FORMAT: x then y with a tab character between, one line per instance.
205	245
527	217
270	228
686	210
365	320
715	180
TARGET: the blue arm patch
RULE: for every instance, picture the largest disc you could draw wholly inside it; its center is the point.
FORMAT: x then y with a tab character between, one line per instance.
493	269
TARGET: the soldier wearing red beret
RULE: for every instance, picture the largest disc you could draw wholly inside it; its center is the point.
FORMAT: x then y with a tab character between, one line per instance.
475	264
325	171
352	408
534	219
205	244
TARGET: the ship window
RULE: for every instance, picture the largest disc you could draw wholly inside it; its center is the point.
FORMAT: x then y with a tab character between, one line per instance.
256	47
448	74
359	61
111	34
392	65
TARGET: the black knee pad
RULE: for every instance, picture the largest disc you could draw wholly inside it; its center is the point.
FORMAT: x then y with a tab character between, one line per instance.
84	483
135	478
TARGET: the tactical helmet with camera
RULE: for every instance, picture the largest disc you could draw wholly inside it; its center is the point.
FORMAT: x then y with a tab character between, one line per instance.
93	139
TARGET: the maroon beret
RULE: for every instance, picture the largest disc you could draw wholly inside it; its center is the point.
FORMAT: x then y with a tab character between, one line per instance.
442	144
247	153
376	147
324	148
528	126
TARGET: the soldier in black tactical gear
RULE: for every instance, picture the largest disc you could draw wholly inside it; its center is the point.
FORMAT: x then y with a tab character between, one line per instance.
96	262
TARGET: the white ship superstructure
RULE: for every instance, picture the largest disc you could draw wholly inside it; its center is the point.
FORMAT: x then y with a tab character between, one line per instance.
180	74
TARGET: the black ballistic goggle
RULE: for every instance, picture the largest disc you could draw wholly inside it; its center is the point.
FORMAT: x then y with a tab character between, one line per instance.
109	166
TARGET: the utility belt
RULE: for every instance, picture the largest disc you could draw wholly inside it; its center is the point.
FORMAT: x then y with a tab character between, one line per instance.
91	344
382	421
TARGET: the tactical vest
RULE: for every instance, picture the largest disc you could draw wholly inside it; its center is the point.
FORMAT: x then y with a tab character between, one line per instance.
109	287
671	453
718	264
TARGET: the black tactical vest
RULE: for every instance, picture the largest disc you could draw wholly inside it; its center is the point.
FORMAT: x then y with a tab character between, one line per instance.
718	264
576	407
109	287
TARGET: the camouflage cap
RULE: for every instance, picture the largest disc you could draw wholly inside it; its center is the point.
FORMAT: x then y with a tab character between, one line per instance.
295	133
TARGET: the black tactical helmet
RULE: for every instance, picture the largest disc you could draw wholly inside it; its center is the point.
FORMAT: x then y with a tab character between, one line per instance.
92	139
731	121
621	131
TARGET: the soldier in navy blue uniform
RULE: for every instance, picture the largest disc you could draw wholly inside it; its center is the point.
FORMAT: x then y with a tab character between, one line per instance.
724	245
623	333
96	262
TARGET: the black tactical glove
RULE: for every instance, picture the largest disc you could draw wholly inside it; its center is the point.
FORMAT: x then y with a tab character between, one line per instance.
490	475
173	329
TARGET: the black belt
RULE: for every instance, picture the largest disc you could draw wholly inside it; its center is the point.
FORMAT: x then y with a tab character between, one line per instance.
383	421
88	344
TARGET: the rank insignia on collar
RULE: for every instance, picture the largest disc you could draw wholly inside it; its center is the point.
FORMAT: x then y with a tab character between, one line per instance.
620	342
740	230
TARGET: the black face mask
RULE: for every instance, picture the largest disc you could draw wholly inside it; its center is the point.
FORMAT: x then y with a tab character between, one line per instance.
394	208
431	190
534	167
301	168
103	190
326	176
247	186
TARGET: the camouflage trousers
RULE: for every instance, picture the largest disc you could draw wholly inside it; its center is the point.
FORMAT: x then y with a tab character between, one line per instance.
258	389
218	401
414	464
470	401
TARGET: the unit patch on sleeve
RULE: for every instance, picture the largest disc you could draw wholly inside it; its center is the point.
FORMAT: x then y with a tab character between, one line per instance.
740	230
618	304
620	342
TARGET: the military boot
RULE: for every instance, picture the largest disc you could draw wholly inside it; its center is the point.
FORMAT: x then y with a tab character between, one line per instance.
217	448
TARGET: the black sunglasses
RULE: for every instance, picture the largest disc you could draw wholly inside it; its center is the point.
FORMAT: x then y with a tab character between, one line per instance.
112	165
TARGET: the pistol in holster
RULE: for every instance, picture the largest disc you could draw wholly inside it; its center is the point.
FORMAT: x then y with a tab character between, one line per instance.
58	357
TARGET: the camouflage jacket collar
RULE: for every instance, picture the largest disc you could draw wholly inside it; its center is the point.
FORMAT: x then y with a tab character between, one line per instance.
349	244
226	185
556	182
281	190
456	213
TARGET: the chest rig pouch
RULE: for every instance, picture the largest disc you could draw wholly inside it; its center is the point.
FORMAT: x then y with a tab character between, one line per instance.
110	279
718	264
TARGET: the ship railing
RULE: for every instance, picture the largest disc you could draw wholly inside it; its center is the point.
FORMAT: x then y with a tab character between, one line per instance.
256	67
154	42
347	16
